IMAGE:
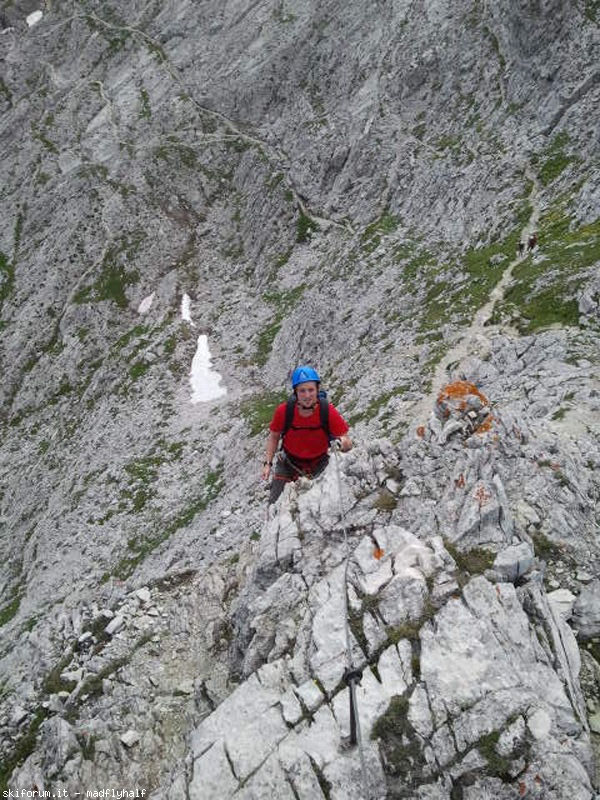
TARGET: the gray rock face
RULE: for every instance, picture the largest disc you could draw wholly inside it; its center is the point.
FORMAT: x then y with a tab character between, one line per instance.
475	682
587	611
340	184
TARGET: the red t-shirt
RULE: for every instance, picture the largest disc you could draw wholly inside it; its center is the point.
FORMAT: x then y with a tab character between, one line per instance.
306	438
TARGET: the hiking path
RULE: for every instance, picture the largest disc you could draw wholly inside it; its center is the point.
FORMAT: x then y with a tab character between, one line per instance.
476	339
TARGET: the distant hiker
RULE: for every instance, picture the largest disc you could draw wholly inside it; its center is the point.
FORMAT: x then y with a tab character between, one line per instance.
532	241
520	248
306	423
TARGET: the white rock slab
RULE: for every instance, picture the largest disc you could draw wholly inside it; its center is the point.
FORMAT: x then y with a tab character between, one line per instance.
540	724
514	561
562	602
146	304
130	738
115	625
212	776
33	18
310	695
259	727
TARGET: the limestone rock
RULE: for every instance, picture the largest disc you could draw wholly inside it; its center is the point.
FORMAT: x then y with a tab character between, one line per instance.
343	184
130	738
586	611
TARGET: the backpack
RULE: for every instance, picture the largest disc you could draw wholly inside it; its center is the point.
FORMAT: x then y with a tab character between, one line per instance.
323	413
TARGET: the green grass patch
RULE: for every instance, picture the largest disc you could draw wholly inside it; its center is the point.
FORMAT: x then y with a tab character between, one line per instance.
275	180
30	624
542	309
258	411
385	500
112	29
7	277
304	227
282	259
592	10
21	750
156	51
377	404
452	291
170	344
5	91
117	41
448	142
470	562
401	747
137	499
393	720
140	547
411	629
544	548
497	765
281	16
371	238
144	472
138	369
114	278
555	160
177	154
7	266
265	341
10	610
145	109
545	290
283	303
413	263
126	338
41	137
593	648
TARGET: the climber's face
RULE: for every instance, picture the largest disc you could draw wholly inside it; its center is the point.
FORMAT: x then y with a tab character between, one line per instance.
306	394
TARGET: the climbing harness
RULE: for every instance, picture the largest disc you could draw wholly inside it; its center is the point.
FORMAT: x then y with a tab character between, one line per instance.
317	465
352	674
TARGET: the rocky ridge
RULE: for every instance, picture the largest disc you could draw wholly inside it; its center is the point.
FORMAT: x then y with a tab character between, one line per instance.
339	184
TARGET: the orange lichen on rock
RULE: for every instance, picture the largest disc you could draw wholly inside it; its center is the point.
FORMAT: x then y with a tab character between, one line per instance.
486	425
459	390
378	553
421	431
482	496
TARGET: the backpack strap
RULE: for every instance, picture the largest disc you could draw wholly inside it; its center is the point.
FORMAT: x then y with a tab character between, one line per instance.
289	414
324	414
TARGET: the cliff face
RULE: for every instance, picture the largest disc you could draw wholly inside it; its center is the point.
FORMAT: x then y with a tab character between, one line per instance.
344	184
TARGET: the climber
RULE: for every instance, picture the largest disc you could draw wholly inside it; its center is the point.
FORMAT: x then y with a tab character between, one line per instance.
532	241
520	248
307	423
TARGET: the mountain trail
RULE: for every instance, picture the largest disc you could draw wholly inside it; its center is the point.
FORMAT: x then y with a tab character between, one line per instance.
476	339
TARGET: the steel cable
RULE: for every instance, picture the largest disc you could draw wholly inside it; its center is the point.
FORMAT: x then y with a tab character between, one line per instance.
352	674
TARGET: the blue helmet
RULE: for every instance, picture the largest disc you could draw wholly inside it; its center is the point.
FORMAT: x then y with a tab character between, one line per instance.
304	374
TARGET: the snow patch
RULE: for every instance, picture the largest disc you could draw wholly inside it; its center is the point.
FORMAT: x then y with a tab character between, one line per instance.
206	384
34	18
146	304
186	305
